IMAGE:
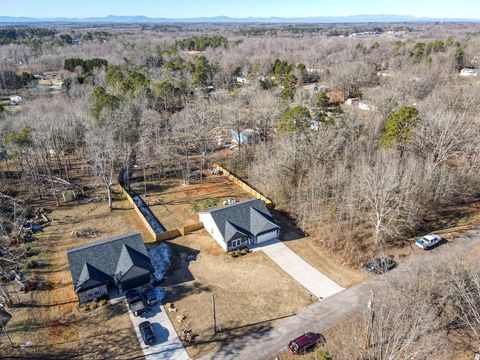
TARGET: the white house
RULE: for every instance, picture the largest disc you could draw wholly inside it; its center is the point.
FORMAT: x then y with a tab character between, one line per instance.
238	225
468	72
353	101
243	81
360	104
366	107
15	100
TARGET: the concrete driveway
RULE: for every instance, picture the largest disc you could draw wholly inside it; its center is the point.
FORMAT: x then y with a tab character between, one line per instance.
309	277
168	345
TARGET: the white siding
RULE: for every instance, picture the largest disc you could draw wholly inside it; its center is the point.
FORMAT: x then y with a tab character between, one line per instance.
209	225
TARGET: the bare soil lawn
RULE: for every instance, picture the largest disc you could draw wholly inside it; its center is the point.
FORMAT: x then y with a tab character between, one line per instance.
175	205
48	319
251	292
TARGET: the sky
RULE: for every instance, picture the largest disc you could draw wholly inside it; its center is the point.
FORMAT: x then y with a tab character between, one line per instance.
240	8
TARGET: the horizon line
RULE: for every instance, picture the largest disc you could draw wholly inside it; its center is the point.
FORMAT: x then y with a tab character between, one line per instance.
213	17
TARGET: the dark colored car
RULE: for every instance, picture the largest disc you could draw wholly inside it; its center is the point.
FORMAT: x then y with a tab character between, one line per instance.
148	335
135	302
137	308
304	343
149	295
133	296
380	265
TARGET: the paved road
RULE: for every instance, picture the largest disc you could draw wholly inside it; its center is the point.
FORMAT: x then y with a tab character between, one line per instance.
310	278
168	345
265	343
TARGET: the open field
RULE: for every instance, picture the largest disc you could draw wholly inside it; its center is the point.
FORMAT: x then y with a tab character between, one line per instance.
48	319
177	204
251	292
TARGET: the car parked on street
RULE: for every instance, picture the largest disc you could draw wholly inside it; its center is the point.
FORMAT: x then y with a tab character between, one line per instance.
305	342
148	335
428	241
380	265
149	295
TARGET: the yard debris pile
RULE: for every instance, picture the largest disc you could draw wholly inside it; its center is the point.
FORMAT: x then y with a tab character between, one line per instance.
187	335
86	233
155	202
160	256
171	307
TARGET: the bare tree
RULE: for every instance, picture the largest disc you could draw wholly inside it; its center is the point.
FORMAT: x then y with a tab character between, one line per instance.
103	155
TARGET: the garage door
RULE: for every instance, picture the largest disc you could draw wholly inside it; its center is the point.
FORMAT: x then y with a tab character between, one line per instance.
135	282
266	236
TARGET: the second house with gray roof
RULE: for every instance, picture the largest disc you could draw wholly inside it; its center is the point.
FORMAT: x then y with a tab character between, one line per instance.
241	224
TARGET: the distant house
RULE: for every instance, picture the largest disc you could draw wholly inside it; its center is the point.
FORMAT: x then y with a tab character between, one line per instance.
15	100
360	104
468	72
366	107
244	223
353	101
245	137
121	262
384	74
243	81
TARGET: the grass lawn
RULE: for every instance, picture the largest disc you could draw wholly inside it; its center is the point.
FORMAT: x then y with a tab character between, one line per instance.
251	292
175	204
48	319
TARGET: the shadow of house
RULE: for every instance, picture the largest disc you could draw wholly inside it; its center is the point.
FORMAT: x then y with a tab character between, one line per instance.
181	258
289	227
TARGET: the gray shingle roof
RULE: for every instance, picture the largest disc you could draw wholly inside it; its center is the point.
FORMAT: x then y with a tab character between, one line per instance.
104	257
247	217
91	277
130	257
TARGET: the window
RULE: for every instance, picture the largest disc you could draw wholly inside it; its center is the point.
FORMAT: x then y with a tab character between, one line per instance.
93	293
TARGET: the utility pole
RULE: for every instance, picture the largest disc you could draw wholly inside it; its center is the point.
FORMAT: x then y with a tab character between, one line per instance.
214	315
370	320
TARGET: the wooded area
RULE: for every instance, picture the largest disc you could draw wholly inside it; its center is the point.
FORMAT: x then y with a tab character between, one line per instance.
270	104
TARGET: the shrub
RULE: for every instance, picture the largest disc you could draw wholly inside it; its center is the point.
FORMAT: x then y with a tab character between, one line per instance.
102	302
323	354
93	306
244	251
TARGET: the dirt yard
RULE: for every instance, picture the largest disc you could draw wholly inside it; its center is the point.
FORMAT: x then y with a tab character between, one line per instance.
175	205
251	292
47	321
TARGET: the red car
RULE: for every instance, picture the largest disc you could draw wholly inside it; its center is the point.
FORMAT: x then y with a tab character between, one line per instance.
304	343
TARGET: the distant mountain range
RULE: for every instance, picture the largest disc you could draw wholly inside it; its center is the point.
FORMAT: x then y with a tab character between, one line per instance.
112	19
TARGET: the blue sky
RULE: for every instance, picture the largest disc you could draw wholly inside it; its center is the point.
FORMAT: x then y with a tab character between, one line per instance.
239	8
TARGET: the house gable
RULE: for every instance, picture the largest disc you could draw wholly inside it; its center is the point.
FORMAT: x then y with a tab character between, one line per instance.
105	262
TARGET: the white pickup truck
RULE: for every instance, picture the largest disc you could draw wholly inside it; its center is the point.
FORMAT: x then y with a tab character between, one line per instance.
428	241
